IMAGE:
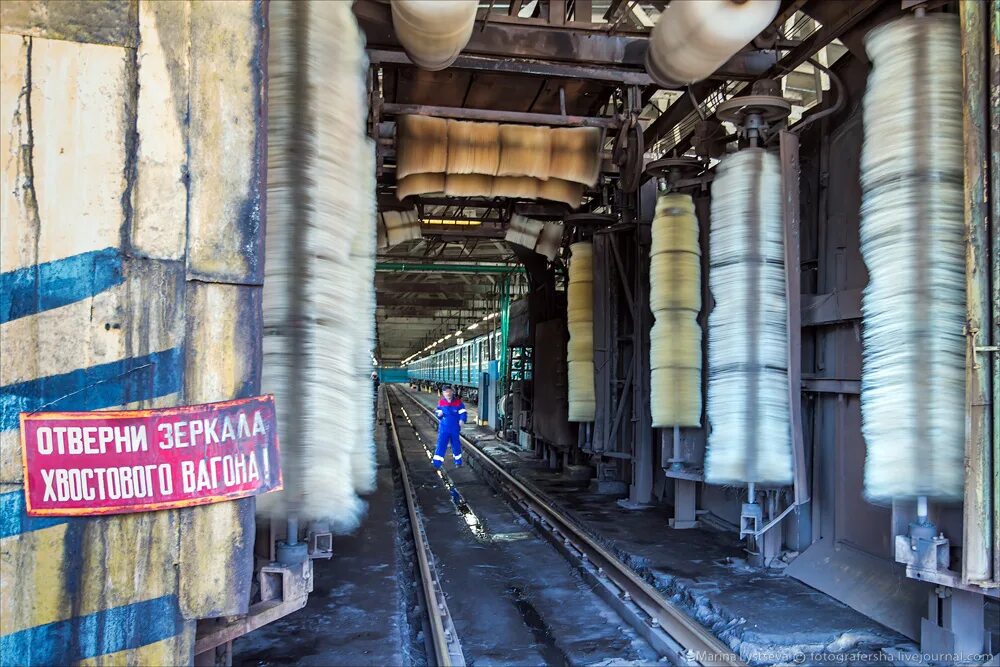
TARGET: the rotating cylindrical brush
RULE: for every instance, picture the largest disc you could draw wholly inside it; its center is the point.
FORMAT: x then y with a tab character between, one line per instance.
433	32
913	243
691	40
576	154
515	187
468	185
580	315
419	184
750	438
525	150
557	189
675	299
473	148
421	145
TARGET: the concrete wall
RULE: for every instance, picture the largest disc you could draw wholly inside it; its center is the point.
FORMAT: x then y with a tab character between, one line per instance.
131	162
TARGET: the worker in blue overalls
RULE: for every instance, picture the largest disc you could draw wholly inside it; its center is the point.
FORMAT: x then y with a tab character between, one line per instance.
451	415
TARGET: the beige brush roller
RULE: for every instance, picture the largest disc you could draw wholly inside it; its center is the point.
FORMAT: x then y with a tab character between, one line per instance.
515	187
473	148
567	192
421	145
525	150
468	185
576	154
419	184
433	32
675	281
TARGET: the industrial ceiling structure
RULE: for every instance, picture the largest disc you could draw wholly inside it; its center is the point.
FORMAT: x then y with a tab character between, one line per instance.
560	63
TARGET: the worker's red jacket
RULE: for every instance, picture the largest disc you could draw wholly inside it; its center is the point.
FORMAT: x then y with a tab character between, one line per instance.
451	415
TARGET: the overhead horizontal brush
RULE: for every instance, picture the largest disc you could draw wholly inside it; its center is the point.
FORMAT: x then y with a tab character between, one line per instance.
525	150
576	154
567	192
419	184
473	148
515	187
433	32
468	185
421	145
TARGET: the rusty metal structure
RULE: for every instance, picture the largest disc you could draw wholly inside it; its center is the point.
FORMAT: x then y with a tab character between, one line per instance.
581	64
131	268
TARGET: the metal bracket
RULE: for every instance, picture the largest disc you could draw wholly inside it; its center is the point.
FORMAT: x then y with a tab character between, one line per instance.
751	518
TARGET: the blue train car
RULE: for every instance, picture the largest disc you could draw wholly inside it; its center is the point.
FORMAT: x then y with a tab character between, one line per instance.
460	365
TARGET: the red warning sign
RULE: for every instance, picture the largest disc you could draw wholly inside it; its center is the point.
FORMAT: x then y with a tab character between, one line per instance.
88	463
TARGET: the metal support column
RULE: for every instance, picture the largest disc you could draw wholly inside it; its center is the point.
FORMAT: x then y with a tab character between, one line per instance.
977	548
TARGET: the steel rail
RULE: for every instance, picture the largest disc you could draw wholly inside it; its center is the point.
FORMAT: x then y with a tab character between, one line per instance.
444	638
700	645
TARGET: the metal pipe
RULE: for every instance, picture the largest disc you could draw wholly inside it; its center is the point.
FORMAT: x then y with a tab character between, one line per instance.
391	267
391	109
922	509
292	530
676	465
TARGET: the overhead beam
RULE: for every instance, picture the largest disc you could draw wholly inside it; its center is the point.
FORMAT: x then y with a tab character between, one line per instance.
492	115
442	288
511	37
385	299
528	67
397	267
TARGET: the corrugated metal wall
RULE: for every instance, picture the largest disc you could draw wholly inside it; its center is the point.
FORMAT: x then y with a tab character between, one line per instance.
131	162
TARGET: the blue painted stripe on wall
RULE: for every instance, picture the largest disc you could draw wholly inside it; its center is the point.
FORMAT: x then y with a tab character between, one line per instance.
106	631
102	386
42	287
14	519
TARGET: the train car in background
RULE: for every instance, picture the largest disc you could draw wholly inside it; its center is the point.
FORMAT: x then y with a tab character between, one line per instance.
461	366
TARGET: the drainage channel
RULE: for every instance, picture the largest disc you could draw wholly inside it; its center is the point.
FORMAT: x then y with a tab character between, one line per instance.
511	596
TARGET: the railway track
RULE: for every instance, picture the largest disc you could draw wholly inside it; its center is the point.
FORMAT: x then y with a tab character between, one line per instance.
666	628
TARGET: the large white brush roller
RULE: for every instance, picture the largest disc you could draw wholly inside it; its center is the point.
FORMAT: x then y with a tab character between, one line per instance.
675	299
912	241
748	411
693	39
421	145
320	233
433	32
580	315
